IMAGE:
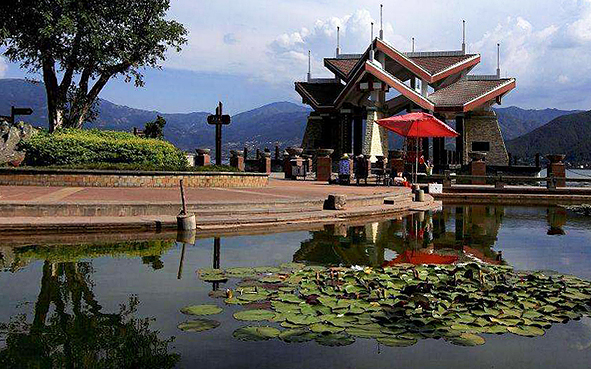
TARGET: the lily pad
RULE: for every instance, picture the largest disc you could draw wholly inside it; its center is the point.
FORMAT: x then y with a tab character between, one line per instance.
527	331
252	333
467	339
201	310
325	328
254	315
335	339
198	325
297	335
396	342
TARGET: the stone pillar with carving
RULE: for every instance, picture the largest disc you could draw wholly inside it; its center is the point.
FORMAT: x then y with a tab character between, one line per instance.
376	137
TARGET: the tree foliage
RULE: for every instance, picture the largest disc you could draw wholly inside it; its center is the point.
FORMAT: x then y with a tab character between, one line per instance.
155	129
86	43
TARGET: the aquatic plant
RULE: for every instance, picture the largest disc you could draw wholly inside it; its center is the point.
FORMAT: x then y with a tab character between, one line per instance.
401	304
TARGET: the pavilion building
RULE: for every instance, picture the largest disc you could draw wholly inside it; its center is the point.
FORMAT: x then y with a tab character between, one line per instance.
435	82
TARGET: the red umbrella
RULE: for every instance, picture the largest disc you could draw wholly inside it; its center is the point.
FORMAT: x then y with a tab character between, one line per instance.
417	125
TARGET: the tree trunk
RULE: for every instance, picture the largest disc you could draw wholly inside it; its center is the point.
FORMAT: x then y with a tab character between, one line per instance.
55	99
56	115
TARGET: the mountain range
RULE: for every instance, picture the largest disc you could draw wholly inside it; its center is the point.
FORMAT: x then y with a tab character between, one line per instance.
567	134
280	122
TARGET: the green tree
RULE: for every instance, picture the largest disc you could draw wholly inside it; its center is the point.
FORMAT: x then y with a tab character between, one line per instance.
155	129
86	43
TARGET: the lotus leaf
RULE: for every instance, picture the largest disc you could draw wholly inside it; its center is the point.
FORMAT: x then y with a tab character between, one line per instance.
527	331
198	325
201	310
365	332
297	335
287	297
301	319
240	272
265	269
272	279
335	339
325	328
467	339
252	333
396	342
254	315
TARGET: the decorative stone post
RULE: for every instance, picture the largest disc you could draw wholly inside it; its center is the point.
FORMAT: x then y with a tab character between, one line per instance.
291	160
237	160
477	167
202	159
324	165
557	169
376	137
265	162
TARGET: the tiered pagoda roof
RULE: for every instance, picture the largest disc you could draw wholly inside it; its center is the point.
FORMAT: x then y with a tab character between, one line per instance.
452	89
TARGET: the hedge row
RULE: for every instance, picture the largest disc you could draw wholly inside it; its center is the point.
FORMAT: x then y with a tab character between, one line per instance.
77	147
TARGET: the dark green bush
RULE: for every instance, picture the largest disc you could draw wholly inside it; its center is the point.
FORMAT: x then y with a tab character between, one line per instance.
144	167
72	147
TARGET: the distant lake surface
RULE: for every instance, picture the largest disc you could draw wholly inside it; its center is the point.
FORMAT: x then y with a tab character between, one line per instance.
80	292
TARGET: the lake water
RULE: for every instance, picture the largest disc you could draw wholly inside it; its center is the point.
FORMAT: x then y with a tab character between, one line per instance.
66	301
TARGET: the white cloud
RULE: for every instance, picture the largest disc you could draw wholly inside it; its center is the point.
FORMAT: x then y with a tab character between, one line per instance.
545	44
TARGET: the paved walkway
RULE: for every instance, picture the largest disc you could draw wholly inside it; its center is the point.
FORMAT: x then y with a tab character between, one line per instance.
278	189
283	203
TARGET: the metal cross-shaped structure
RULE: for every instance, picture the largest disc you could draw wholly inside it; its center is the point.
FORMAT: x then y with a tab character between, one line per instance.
16	111
218	120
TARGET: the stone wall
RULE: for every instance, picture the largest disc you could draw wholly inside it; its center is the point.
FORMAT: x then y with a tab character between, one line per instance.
104	178
483	126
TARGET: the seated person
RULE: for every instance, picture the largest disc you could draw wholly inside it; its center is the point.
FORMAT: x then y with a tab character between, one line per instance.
400	180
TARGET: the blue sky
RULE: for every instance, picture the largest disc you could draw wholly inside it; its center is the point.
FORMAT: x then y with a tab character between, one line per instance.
249	52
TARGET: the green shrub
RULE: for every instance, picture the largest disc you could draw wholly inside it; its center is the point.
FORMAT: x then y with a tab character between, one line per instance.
72	147
144	167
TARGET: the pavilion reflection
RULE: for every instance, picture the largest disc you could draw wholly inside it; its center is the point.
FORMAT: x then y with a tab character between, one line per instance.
455	234
70	329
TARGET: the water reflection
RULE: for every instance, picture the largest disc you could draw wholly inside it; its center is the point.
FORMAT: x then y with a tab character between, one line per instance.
556	217
421	238
71	330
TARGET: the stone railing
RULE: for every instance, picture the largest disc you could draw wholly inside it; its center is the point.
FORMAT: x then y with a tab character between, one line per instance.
113	178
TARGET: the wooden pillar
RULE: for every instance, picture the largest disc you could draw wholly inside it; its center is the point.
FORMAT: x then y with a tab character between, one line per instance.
426	148
436	151
347	133
357	133
460	138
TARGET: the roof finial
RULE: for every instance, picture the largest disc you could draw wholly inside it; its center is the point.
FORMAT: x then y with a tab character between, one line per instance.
464	36
381	22
413	44
499	60
338	41
309	67
371	52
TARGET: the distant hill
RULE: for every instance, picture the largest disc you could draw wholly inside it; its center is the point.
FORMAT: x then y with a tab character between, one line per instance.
281	122
515	122
568	134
